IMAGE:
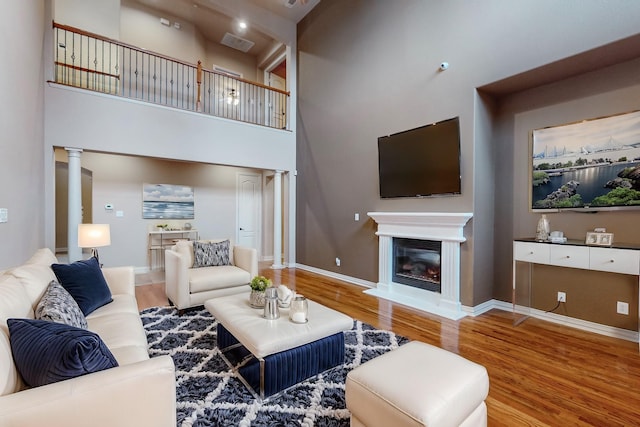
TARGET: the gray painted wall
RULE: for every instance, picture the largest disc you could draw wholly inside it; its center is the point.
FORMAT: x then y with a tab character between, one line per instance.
21	121
370	68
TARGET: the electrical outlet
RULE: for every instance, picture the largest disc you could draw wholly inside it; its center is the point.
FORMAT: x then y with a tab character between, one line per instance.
562	297
623	308
338	262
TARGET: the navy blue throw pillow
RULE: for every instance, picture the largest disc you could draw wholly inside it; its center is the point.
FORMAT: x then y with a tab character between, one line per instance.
46	352
85	282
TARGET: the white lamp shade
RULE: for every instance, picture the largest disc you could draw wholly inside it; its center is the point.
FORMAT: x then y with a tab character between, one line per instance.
93	235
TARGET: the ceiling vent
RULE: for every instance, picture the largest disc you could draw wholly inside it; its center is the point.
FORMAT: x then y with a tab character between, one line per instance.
236	42
290	3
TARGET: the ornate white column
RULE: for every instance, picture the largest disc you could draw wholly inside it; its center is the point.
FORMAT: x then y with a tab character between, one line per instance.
74	215
277	220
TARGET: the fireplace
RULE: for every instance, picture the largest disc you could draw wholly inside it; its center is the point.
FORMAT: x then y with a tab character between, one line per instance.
417	263
434	286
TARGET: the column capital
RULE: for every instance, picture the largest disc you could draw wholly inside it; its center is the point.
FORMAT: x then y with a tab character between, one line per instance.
73	150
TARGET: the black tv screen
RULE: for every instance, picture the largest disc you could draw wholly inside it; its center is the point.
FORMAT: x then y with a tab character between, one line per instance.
421	162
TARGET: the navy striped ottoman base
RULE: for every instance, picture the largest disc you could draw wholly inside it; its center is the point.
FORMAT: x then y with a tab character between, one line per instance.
279	371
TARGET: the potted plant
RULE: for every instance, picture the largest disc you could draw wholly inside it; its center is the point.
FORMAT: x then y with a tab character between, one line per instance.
258	286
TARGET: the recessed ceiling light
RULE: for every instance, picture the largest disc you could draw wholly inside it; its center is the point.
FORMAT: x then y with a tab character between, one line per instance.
242	25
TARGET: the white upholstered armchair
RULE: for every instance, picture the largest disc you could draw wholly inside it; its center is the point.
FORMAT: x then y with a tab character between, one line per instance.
191	277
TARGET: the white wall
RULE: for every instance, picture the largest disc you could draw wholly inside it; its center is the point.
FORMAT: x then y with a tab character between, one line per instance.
140	26
97	122
118	180
96	16
22	180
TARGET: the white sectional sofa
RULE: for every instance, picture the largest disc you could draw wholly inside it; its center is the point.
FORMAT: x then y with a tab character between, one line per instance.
140	391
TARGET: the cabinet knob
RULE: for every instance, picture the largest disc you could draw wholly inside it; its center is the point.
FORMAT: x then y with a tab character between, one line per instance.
568	257
531	253
612	260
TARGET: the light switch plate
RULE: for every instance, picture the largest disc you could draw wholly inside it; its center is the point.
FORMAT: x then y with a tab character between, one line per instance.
4	215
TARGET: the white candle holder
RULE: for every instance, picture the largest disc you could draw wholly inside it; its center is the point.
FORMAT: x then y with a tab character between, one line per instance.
299	310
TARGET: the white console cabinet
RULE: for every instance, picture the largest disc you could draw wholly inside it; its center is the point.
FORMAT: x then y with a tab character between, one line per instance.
624	259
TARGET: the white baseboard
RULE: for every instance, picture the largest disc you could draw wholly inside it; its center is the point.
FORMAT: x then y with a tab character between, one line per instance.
338	276
585	325
479	309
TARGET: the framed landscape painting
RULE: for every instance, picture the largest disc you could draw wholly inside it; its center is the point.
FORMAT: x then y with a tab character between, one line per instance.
167	201
586	165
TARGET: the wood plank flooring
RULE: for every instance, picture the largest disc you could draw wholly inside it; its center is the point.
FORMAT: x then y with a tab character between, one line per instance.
541	374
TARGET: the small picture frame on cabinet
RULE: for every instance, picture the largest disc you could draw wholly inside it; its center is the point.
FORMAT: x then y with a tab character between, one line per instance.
592	238
605	239
599	239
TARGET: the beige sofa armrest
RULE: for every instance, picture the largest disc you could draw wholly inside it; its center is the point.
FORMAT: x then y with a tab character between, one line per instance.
176	278
140	394
246	259
121	280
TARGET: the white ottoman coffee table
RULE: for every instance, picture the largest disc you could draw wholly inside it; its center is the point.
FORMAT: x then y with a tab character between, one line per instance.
285	353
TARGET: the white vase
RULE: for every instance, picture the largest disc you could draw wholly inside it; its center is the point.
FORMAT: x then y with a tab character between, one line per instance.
542	232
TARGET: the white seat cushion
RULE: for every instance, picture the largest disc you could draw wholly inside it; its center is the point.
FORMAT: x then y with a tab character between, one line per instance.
209	278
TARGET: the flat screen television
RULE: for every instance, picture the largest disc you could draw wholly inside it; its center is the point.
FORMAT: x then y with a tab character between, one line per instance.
421	162
589	165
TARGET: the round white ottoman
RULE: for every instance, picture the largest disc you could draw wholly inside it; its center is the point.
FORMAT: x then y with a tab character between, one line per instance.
418	385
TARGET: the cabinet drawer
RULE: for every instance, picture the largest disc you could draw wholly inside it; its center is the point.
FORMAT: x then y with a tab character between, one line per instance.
531	252
569	256
615	260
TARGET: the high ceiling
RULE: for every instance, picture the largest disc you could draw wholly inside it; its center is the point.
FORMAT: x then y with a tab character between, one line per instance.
209	18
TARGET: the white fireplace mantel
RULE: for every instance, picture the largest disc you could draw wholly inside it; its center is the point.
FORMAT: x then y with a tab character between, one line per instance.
445	227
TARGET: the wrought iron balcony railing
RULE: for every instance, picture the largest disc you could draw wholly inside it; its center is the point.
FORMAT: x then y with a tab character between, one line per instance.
89	61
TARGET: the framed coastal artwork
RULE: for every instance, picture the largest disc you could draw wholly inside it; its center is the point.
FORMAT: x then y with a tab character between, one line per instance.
591	164
167	201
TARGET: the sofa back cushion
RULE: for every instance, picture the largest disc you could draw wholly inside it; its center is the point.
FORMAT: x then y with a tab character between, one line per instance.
36	274
14	302
42	256
185	248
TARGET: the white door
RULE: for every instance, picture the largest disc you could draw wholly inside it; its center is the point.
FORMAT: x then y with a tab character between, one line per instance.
248	196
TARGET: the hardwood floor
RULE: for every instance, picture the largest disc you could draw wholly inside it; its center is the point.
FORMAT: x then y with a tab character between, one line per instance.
541	374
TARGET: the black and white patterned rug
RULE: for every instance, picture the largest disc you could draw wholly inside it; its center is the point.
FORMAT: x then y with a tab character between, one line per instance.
210	394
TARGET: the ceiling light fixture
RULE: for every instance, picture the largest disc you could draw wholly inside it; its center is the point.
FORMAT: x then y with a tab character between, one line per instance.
232	98
242	25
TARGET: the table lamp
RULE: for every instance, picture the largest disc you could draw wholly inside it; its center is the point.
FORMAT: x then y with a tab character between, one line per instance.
94	236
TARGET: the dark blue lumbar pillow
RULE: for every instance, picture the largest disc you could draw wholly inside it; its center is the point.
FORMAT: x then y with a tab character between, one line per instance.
85	282
47	352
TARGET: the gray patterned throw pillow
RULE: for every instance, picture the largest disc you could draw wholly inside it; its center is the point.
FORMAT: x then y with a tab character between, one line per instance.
207	254
57	305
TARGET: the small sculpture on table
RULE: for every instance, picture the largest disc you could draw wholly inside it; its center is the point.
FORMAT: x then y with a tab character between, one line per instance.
284	296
